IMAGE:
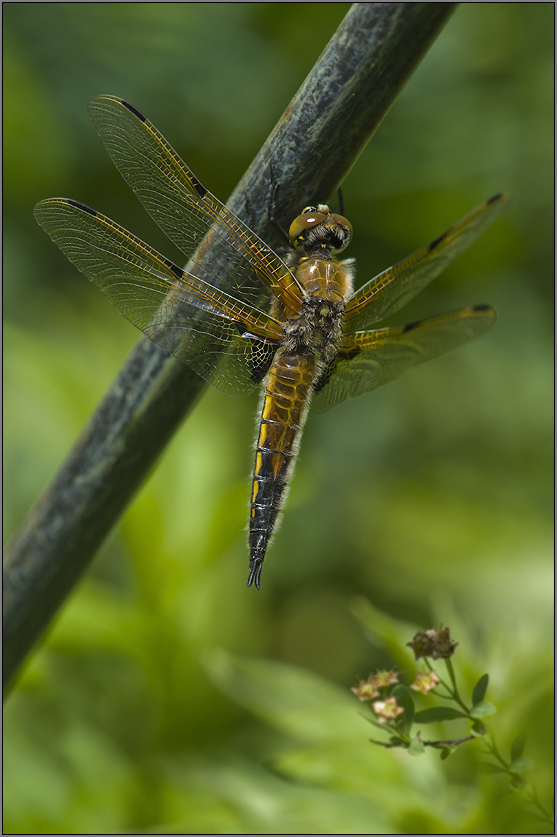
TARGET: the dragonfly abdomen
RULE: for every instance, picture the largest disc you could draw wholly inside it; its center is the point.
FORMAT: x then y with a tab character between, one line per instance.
285	404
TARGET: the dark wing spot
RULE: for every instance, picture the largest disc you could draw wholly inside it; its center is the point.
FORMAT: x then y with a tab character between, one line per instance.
177	271
135	111
201	191
261	359
83	207
411	326
349	354
331	367
495	197
481	307
436	242
326	375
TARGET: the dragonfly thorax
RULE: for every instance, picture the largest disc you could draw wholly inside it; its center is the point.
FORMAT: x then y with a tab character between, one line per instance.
316	329
325	278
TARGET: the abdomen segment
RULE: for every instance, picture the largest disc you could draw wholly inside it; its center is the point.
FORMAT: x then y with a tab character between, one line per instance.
285	404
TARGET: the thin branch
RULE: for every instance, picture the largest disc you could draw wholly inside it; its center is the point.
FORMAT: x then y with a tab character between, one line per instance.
315	143
386	744
453	742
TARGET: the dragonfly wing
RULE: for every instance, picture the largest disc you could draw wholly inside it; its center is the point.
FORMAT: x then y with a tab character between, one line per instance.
369	359
393	288
229	343
242	263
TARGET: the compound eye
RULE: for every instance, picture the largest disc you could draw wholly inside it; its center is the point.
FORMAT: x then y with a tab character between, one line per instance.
342	221
310	217
346	227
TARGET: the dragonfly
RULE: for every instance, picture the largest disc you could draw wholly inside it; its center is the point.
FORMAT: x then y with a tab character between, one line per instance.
243	316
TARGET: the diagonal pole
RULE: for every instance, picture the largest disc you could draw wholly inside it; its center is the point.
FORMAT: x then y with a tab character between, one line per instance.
317	140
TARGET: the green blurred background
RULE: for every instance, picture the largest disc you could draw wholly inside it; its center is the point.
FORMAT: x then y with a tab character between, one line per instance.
167	697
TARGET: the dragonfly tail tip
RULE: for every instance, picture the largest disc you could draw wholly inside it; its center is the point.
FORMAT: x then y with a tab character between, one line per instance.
255	567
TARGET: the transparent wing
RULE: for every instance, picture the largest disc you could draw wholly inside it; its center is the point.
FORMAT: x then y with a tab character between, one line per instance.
390	290
369	359
229	343
242	263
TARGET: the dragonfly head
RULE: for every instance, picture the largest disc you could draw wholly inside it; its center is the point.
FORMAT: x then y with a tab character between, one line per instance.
318	229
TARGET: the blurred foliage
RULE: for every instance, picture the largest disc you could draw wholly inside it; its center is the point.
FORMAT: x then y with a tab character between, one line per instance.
168	697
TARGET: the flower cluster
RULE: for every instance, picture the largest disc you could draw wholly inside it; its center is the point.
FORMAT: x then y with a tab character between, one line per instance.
369	689
394	711
434	643
387	710
425	683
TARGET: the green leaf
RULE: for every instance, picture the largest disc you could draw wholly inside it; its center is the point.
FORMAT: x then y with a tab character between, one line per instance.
480	689
438	713
404	698
517	747
416	748
521	764
480	710
285	697
445	753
